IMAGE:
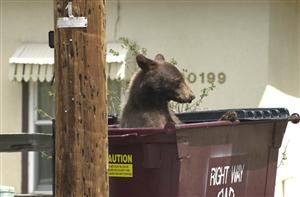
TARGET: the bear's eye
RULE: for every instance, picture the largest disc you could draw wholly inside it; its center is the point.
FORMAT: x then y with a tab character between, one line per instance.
177	83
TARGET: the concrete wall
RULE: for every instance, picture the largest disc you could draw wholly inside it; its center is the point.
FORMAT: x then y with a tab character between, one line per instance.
239	38
21	21
228	36
284	47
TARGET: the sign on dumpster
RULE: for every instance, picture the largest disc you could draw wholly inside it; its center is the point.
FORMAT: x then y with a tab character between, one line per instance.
227	176
120	165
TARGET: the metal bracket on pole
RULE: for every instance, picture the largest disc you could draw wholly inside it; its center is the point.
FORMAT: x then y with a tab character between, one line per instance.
71	21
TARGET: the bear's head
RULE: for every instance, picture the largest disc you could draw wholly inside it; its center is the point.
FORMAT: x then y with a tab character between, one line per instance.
164	79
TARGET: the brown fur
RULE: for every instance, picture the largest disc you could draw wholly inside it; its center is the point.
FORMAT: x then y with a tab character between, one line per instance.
151	89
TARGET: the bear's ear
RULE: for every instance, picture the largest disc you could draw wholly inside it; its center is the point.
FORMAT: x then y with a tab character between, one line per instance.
144	63
159	58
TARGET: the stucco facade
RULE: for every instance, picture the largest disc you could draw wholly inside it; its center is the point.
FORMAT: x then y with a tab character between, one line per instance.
254	43
21	21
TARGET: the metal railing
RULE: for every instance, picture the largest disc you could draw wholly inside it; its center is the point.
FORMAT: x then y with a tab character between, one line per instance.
21	142
26	142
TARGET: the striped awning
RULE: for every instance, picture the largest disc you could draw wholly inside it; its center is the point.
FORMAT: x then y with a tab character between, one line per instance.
34	62
122	65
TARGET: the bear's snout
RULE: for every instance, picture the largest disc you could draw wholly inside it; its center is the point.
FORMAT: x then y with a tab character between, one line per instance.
185	94
192	97
189	98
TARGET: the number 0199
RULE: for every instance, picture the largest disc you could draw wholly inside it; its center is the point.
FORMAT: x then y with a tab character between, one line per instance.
210	77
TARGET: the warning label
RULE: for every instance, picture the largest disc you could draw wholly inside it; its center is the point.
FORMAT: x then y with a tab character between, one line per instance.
120	165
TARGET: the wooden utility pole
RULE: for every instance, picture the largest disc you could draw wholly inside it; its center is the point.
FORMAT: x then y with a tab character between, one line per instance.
80	91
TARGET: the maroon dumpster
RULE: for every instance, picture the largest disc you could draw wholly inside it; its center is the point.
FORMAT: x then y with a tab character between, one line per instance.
203	157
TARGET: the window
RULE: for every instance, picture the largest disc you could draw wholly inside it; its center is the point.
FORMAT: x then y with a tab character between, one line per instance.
41	111
115	96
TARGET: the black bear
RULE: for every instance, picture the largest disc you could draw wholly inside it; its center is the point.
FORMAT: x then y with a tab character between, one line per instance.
151	89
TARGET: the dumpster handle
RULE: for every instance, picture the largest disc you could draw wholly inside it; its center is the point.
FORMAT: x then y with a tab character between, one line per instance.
124	135
294	118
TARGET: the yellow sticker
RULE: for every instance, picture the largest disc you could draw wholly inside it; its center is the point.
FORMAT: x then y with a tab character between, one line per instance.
120	165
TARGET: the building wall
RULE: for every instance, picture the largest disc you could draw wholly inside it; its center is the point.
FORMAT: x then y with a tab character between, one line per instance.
21	21
239	38
224	36
284	47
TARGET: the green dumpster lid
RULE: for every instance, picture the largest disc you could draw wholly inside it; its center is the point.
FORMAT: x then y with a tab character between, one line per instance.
7	189
246	114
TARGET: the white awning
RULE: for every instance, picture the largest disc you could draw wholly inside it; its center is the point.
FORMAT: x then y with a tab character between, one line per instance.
122	65
34	62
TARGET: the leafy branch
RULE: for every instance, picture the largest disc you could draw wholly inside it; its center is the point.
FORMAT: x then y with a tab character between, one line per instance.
44	114
194	106
177	107
132	46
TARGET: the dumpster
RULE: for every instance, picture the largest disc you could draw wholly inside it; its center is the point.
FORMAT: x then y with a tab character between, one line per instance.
204	156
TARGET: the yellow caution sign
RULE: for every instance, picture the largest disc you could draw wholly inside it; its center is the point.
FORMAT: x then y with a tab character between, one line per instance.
120	165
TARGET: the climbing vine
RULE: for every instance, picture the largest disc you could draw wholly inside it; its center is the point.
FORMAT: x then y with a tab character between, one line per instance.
177	107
